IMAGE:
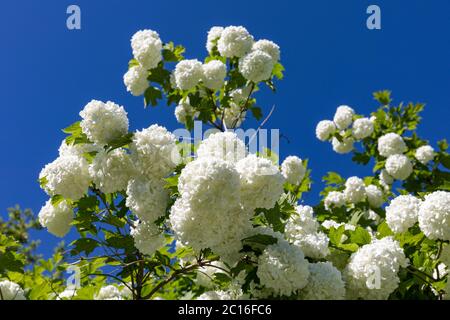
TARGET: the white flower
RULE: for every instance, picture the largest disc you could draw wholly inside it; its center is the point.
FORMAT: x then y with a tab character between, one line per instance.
372	272
188	73
268	47
210	183
362	128
283	268
109	292
234	42
154	151
222	295
256	66
293	170
213	36
147	237
325	129
334	199
385	178
147	47
11	291
216	227
301	223
343	117
57	219
135	79
399	166
103	122
185	110
343	147
111	171
261	182
324	283
67	294
222	145
205	274
313	245
77	150
67	176
355	190
425	154
234	115
390	144
374	196
434	215
327	224
214	73
402	213
147	198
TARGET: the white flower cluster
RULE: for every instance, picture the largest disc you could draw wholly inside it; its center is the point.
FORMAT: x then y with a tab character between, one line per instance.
334	199
398	166
135	79
103	122
302	230
355	190
234	41
390	144
147	237
293	170
219	191
147	47
425	154
109	292
324	283
283	269
343	118
374	196
11	291
56	218
184	110
214	73
434	215
188	74
372	272
402	213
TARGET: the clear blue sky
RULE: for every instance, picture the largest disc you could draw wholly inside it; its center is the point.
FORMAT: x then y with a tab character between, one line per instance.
49	73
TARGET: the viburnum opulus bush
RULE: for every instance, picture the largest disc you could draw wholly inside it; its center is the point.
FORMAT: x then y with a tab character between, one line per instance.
160	218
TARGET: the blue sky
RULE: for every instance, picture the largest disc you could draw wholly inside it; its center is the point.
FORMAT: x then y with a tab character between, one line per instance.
49	73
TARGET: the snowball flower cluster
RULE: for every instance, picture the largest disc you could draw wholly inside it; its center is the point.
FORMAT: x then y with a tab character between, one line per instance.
372	271
334	199
256	66
282	268
362	128
184	110
233	116
213	35
111	171
293	170
56	218
434	215
390	144
402	213
374	196
343	117
109	292
344	146
324	283
234	41
154	151
325	129
147	47
214	73
261	182
302	230
355	190
103	122
147	198
222	145
147	237
135	79
11	291
188	74
67	176
425	154
399	166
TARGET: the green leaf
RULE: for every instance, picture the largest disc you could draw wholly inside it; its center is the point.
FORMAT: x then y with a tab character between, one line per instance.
360	236
120	142
56	199
151	96
257	113
263	239
383	97
172	53
86	245
278	70
333	178
383	230
133	63
335	235
445	160
73	128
